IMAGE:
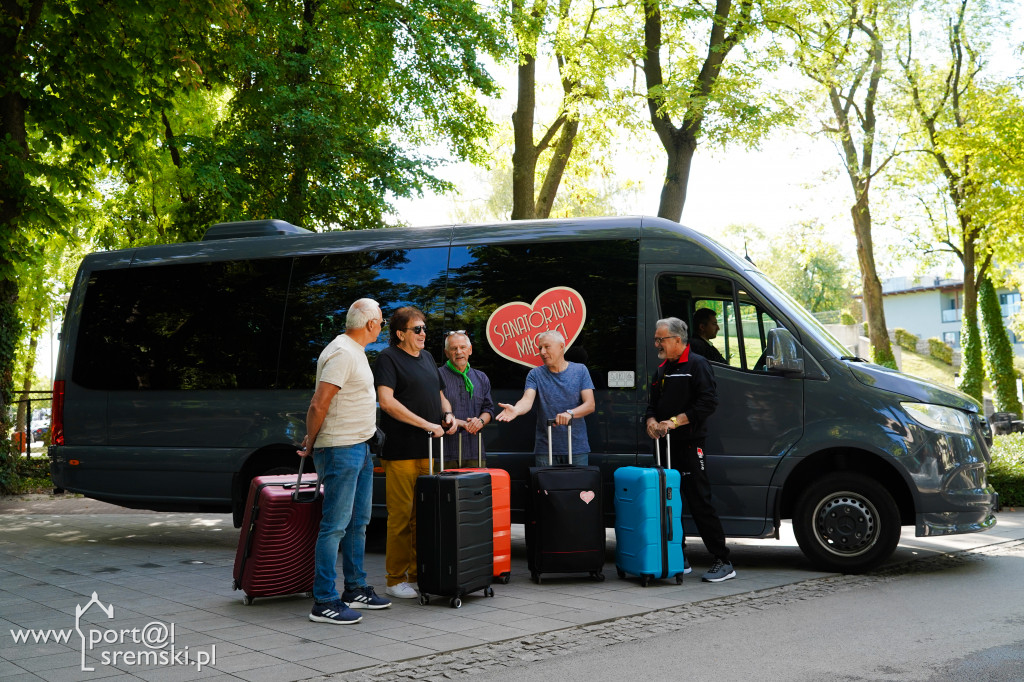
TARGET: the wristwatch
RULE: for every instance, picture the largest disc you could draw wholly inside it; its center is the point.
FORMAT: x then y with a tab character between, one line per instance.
569	412
675	422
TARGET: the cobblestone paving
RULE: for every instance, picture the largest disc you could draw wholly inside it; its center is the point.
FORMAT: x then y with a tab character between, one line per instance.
455	665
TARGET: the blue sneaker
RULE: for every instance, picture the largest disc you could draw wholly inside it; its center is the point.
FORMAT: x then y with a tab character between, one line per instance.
365	598
335	612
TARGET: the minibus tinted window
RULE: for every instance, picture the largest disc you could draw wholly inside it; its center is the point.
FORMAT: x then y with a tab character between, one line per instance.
324	286
604	273
182	327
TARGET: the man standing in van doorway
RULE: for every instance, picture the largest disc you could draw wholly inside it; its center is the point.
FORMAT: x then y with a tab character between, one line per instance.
683	395
342	417
565	393
469	392
705	323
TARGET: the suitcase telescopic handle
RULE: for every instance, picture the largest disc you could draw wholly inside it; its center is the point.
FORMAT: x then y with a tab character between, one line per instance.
668	451
551	457
430	450
479	448
299	485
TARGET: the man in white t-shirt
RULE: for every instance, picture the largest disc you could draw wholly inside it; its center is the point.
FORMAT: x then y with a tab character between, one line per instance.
342	417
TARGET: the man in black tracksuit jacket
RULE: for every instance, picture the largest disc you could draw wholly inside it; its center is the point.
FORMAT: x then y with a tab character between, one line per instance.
683	395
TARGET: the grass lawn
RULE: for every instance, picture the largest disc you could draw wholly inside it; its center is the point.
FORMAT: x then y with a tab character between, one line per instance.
927	367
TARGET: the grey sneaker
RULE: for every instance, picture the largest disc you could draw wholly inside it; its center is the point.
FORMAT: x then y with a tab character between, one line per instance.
720	570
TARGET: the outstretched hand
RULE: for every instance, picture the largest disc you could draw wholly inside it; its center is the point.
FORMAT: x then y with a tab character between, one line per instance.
507	414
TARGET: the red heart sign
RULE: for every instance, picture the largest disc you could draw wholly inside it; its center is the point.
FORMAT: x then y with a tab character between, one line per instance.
512	329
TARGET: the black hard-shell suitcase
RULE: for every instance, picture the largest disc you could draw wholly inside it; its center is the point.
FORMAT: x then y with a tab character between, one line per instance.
565	527
454	533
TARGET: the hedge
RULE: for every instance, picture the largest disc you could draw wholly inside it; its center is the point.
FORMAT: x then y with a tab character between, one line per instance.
1006	473
940	351
905	339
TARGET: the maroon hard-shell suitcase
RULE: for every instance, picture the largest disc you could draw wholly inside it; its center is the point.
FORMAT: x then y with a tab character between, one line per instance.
276	548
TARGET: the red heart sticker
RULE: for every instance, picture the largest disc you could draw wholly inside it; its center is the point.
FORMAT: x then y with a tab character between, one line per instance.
512	329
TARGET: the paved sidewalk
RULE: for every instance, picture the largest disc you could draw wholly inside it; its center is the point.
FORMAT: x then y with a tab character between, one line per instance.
168	578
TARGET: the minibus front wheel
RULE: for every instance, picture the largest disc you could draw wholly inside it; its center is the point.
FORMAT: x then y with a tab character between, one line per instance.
846	522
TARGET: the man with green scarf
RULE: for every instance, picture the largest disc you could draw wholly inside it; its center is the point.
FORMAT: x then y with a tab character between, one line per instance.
469	392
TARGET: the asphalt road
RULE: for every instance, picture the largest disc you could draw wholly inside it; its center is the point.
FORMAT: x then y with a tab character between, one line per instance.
947	618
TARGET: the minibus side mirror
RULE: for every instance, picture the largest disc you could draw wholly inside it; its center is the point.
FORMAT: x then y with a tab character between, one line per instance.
783	354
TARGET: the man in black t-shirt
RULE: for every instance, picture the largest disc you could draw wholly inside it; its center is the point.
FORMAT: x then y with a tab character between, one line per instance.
412	402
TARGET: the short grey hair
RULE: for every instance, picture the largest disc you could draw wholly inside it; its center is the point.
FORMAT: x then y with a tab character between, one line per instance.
361	312
448	337
676	327
554	334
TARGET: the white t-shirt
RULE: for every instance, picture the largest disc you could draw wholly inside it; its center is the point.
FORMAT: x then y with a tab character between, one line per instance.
352	415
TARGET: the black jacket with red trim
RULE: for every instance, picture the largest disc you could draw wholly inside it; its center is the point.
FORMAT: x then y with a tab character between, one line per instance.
684	386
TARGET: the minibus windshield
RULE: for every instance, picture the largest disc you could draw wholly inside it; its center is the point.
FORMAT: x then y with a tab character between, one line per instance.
811	323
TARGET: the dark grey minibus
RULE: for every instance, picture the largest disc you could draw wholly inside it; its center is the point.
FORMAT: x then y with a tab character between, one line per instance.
185	370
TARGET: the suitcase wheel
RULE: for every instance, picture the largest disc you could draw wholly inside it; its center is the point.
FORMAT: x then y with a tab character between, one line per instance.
597	575
307	595
645	580
456	603
535	577
488	591
622	574
503	578
234	584
247	600
424	599
679	578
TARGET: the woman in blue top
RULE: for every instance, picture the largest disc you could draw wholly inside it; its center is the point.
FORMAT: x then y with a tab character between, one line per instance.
564	392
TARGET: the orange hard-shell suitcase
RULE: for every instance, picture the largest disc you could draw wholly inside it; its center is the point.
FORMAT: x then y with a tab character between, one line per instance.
501	487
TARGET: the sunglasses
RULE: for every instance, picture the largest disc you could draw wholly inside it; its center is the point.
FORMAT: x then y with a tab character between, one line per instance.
453	333
418	329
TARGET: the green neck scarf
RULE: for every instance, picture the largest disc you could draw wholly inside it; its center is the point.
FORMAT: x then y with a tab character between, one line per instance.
464	375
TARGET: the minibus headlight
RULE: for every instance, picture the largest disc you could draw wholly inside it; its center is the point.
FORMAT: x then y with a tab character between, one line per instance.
940	418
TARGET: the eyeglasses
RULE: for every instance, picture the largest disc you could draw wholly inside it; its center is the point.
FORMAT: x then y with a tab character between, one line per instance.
381	323
418	329
662	339
457	331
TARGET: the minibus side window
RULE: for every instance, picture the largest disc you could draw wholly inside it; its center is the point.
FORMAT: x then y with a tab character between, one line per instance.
324	286
741	338
193	326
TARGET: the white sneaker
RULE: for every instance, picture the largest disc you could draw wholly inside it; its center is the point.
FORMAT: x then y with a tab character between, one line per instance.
402	591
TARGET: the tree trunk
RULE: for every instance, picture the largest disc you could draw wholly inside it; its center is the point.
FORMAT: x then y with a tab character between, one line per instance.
872	286
680	153
524	155
556	169
998	350
972	369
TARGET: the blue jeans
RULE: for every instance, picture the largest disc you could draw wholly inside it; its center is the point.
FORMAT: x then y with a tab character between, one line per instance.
347	476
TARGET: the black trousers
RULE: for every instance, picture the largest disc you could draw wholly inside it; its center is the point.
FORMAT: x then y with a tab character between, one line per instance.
687	458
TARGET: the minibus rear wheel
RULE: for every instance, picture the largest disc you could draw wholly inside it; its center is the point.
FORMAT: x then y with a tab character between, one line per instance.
846	522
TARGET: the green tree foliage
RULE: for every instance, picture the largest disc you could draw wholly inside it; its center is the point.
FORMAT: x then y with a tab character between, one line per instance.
998	350
703	66
954	110
811	269
842	48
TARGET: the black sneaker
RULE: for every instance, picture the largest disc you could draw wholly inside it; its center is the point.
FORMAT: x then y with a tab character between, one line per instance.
334	612
719	571
365	598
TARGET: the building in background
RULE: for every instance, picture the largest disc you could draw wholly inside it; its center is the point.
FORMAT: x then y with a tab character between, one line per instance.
930	306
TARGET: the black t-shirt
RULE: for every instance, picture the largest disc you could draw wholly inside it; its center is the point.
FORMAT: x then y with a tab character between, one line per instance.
418	387
703	347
